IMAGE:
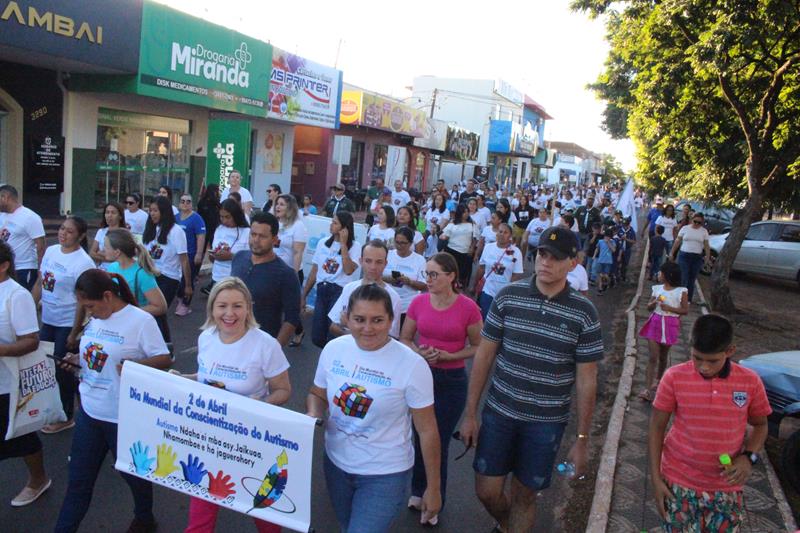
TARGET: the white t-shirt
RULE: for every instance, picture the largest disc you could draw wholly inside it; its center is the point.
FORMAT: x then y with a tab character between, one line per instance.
100	239
329	262
244	193
167	256
412	267
241	367
130	333
17	318
233	239
693	239
540	202
670	297
499	276
480	221
287	236
536	227
434	216
489	235
557	222
399	199
578	279
386	235
136	220
335	314
19	229
370	394
460	236
59	273
669	225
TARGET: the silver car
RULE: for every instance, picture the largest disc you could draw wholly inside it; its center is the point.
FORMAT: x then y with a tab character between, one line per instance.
771	248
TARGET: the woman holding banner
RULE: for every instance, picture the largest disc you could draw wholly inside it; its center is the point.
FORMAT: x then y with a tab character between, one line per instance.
19	335
235	355
373	387
118	331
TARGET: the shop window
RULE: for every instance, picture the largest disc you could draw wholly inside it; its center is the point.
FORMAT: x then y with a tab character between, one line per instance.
352	173
379	158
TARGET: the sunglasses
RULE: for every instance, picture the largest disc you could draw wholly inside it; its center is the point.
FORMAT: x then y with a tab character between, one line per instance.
185	201
697	221
457	436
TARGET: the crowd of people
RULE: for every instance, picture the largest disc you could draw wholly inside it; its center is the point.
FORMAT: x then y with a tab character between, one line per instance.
438	282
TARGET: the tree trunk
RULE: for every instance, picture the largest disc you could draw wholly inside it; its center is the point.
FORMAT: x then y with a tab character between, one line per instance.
721	299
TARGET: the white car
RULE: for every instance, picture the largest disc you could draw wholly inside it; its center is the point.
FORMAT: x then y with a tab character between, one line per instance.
771	248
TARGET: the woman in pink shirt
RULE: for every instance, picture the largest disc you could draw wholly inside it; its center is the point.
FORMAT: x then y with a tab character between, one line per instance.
438	325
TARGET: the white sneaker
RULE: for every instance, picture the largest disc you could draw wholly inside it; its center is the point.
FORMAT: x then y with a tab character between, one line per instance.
29	495
415	502
432	521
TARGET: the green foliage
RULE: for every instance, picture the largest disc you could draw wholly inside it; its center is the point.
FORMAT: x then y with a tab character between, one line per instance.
710	93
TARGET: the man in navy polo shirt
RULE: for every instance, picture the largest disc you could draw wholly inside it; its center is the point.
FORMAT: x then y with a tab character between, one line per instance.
545	337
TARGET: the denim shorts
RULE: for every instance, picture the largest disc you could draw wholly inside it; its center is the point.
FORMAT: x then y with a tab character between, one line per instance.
604	268
528	449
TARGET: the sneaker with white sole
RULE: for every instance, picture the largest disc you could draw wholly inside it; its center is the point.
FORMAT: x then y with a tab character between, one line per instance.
58	427
182	309
432	521
29	495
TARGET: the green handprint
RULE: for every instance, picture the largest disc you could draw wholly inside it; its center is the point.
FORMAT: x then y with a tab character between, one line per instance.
141	461
165	462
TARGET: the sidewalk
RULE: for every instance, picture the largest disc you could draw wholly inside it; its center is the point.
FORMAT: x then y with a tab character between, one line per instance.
632	505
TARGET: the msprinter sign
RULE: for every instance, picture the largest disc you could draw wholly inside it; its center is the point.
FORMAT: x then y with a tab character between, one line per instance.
189	60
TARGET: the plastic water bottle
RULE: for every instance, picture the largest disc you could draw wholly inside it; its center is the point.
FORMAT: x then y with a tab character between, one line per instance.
566	469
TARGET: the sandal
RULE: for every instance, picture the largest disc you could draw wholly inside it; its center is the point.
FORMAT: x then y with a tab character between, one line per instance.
297	340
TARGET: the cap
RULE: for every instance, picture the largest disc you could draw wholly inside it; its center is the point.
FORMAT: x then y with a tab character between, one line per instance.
560	242
337	186
387	190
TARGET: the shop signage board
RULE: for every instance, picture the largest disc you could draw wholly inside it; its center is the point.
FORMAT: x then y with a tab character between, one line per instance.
507	137
304	92
46	163
141	121
94	33
228	149
236	452
190	60
436	138
362	108
462	144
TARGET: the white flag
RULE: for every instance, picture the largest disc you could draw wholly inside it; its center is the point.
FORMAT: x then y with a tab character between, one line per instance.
627	205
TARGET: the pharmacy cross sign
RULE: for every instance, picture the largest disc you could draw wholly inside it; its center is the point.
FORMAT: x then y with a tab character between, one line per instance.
243	56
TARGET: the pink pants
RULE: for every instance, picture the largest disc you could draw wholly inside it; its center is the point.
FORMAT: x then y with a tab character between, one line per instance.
203	518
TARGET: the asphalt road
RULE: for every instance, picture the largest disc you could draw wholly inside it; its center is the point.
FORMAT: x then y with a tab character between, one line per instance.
112	506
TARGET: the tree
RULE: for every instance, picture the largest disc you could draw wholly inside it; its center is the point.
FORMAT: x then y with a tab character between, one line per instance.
710	93
612	168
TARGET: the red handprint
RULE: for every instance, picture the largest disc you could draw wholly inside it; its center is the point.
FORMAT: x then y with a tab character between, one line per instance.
220	487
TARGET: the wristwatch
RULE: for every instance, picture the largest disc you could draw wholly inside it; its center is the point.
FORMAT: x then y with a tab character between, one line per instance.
753	457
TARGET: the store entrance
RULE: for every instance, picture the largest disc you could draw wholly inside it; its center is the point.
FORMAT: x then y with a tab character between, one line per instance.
138	154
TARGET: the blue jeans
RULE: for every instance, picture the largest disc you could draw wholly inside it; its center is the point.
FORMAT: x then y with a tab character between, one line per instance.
27	277
327	294
690	267
449	399
589	268
655	265
362	503
485	303
67	381
91	441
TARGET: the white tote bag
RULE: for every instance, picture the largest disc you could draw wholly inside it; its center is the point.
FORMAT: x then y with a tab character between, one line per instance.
35	401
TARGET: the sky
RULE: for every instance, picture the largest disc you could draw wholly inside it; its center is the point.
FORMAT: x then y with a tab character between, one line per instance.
540	46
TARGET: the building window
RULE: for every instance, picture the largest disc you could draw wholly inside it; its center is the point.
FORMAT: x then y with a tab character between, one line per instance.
379	158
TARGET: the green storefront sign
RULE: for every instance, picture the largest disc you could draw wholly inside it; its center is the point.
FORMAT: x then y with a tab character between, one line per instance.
228	149
189	60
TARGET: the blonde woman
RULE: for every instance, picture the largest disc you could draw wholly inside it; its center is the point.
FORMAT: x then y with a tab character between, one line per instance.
131	261
292	239
235	355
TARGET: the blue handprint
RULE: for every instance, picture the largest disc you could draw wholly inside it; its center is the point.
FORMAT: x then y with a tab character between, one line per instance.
140	460
193	470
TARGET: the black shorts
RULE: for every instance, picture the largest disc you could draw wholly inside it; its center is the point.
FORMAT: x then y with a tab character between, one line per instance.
21	446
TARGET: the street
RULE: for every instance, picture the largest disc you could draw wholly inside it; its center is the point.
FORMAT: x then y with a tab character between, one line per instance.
111	508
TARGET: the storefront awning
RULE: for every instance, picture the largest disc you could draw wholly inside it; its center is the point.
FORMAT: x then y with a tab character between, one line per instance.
363	108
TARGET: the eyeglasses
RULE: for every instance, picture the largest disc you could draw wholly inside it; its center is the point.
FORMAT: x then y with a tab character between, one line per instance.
270	190
188	201
433	276
129	203
697	221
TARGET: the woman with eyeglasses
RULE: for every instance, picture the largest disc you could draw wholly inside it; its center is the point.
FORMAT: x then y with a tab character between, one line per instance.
404	269
444	327
690	247
195	229
113	218
368	430
407	217
135	217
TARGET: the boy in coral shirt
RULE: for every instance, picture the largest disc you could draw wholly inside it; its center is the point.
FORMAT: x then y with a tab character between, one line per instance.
712	400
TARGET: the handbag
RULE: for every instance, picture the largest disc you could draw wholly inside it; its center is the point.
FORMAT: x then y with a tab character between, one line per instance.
35	400
481	282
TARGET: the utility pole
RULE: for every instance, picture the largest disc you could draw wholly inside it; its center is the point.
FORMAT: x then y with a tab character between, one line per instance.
338	49
433	101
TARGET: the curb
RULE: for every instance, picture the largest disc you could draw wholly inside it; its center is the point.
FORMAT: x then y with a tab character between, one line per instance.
604	486
777	491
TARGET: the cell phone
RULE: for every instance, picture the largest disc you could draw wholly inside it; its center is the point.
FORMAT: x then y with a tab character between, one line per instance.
61	361
395	274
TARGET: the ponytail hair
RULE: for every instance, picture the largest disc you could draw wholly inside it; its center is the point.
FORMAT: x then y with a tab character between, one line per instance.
123	241
94	283
83	227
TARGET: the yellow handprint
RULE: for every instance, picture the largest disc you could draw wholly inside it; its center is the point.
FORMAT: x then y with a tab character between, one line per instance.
165	461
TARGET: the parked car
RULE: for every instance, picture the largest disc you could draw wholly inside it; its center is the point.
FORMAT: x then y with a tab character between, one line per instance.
780	372
771	248
718	219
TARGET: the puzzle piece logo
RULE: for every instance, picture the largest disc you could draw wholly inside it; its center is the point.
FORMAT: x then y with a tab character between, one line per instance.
4	234
330	266
156	251
95	357
48	281
353	400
